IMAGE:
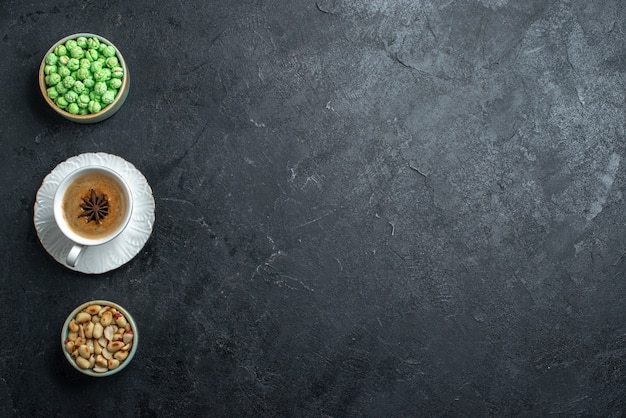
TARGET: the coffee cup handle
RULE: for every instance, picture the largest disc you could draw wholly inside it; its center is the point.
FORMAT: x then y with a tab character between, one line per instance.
72	256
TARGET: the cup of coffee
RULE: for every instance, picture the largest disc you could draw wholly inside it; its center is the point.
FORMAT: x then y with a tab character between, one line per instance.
92	206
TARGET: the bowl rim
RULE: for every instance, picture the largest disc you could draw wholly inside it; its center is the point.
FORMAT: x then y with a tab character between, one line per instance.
111	108
65	330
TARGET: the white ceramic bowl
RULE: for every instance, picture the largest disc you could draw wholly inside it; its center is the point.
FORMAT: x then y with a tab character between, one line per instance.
105	113
103	303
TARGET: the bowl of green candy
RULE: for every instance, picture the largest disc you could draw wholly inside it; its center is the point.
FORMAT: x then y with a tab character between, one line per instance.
84	78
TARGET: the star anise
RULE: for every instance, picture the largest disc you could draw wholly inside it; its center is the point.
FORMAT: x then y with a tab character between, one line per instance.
95	208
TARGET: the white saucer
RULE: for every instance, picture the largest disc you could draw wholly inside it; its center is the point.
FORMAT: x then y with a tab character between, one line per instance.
115	253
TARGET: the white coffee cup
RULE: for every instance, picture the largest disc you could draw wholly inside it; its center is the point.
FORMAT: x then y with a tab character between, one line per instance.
72	208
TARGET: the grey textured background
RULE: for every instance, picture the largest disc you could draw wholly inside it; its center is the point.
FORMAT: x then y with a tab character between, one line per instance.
364	208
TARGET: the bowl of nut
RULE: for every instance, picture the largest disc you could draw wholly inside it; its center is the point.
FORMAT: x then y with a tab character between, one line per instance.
99	338
84	78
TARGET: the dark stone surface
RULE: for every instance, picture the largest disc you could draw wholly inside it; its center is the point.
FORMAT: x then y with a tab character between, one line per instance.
406	208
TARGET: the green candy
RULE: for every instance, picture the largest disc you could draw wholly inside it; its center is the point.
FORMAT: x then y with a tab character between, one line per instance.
109	51
112	62
93	43
64	60
79	87
64	71
102	75
73	108
114	83
81	41
53	79
49	69
71	44
94	106
92	54
89	82
74	64
52	93
51	59
108	97
60	50
100	88
83	100
61	102
61	88
96	66
77	52
82	74
71	96
68	81
117	72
